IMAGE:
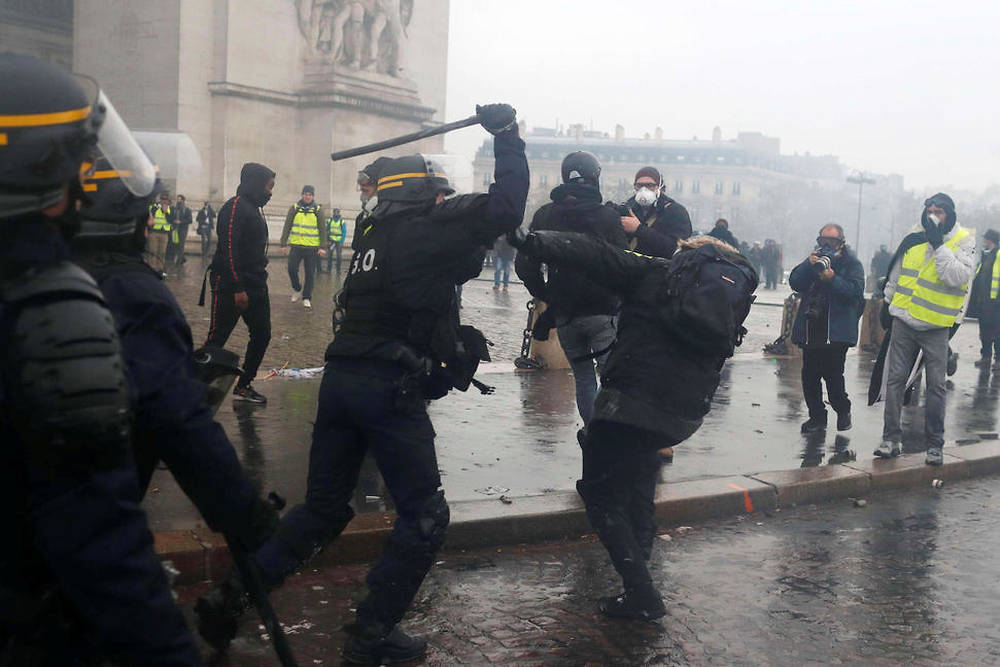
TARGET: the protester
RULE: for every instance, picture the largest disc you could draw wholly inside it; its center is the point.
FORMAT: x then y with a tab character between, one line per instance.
925	292
398	344
305	232
880	263
721	232
161	223
579	304
657	384
239	276
653	221
179	231
206	221
831	282
770	260
755	256
336	234
984	303
504	253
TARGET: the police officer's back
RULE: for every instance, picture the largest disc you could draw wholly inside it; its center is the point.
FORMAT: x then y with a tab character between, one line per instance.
79	577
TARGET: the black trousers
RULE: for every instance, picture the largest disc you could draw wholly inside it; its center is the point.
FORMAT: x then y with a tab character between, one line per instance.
300	254
359	411
824	364
989	331
336	249
257	317
618	487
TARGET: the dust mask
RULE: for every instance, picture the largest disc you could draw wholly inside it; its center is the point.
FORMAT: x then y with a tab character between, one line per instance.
645	197
933	218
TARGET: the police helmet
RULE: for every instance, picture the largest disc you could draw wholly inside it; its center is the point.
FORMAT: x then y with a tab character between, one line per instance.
50	122
581	166
412	178
110	209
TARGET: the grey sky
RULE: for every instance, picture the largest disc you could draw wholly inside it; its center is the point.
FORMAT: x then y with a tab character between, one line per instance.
905	87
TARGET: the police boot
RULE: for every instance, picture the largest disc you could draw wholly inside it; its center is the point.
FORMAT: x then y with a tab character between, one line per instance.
218	612
640	603
375	645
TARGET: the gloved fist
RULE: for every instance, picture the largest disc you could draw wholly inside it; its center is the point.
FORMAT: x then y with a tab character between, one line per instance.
518	238
496	118
933	233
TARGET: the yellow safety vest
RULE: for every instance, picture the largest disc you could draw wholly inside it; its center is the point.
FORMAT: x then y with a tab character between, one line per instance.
920	291
336	230
305	227
160	223
995	283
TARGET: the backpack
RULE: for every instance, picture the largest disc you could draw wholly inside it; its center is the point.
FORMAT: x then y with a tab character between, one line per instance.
708	296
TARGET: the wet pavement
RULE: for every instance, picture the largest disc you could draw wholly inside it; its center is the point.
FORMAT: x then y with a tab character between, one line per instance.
522	440
908	579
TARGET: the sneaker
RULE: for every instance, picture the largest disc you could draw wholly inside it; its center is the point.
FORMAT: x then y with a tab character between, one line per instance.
934	456
844	421
374	646
814	425
952	364
217	613
296	296
634	605
496	287
504	288
983	362
247	393
887	449
307	303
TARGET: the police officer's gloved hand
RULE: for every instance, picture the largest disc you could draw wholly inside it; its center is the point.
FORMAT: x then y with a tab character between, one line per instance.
263	523
497	118
518	239
933	233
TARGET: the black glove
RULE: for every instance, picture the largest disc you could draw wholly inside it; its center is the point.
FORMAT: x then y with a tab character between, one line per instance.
518	238
933	233
496	118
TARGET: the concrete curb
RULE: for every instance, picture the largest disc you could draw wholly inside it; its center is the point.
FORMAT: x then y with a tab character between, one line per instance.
201	555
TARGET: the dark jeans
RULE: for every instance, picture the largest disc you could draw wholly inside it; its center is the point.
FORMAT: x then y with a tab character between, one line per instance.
257	317
360	410
989	331
620	470
336	249
770	277
206	245
581	337
309	257
824	364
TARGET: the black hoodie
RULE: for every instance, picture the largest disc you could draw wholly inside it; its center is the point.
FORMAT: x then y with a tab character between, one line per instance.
241	253
575	207
662	225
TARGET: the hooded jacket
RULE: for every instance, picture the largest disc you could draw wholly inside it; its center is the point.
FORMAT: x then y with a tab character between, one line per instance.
670	224
241	252
842	297
575	207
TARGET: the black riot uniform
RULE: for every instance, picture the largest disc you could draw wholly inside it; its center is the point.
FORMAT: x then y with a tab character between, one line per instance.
79	580
399	323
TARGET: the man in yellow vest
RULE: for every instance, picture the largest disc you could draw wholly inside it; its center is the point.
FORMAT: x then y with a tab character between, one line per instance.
926	290
160	224
984	302
336	234
305	232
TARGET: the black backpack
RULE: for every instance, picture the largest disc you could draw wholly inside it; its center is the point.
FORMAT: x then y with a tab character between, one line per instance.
708	296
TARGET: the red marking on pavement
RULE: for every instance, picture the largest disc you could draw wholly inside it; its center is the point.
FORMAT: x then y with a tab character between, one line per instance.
747	503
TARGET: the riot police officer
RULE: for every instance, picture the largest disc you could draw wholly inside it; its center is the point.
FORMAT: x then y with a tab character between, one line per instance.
79	580
399	326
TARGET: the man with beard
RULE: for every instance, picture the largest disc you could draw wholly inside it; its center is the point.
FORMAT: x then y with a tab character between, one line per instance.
579	306
653	221
239	277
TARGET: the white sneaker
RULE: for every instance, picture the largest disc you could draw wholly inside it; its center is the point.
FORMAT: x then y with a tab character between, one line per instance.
307	303
295	296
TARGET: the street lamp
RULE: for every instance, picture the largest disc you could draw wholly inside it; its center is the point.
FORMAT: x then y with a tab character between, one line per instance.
861	180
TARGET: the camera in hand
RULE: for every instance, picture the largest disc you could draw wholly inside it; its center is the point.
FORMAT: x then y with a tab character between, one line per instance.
826	256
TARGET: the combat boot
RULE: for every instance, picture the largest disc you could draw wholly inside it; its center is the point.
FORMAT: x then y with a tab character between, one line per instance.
218	612
814	424
374	645
635	603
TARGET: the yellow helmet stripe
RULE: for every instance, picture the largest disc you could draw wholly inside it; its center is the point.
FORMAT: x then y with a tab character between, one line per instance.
40	119
386	186
111	173
422	174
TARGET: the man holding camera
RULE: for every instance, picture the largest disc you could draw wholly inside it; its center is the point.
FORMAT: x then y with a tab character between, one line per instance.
925	292
832	284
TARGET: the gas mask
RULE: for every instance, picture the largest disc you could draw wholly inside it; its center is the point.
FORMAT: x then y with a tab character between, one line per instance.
645	197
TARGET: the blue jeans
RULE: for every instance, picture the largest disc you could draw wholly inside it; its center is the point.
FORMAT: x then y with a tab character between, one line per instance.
504	266
581	337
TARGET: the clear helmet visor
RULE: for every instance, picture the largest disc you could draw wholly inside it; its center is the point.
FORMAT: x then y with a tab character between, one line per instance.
116	143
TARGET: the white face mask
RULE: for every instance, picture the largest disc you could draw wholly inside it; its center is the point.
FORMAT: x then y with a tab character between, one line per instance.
645	197
933	218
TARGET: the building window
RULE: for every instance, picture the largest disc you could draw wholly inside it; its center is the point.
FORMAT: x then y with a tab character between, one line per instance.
718	187
678	186
695	187
736	188
543	180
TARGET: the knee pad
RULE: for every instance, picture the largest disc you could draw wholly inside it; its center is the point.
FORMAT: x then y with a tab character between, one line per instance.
434	518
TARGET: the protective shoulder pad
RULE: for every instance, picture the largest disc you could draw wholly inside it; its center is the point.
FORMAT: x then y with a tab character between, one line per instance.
64	373
458	207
